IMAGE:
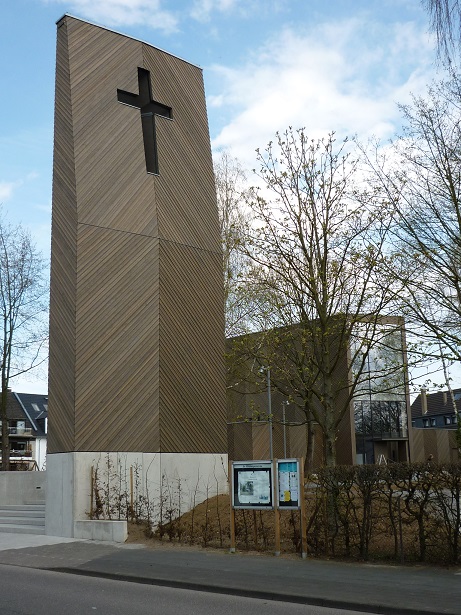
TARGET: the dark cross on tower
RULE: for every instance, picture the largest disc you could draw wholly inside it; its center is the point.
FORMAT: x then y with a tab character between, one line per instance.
149	109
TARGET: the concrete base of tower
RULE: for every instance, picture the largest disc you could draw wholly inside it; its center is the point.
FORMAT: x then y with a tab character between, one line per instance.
91	494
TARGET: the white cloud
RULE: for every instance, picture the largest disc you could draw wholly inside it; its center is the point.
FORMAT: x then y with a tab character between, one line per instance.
345	77
158	15
202	9
205	10
38	385
215	101
6	190
126	13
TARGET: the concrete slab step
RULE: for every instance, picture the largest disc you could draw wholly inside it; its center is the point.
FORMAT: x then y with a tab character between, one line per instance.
22	520
22	513
22	507
12	528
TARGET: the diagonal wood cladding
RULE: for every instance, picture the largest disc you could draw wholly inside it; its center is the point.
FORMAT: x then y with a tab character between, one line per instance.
63	261
187	316
136	322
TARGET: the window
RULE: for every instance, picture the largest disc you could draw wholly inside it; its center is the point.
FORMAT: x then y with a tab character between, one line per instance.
425	422
433	422
448	420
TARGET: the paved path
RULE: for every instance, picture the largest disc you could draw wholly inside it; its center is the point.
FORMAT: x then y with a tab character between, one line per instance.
393	590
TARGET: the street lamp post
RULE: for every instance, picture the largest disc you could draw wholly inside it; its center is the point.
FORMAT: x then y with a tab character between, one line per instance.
284	405
269	408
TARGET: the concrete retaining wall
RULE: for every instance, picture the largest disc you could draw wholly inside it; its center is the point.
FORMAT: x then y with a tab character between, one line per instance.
113	531
22	487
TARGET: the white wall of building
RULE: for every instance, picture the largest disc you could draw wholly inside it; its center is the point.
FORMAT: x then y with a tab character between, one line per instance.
182	480
39	452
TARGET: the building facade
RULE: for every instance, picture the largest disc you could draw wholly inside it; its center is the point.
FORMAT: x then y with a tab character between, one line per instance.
370	393
136	368
435	421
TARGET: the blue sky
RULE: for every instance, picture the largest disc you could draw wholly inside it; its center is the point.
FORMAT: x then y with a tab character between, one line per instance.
325	65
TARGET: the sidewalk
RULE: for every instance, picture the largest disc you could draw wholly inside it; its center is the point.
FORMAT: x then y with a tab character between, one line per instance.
394	590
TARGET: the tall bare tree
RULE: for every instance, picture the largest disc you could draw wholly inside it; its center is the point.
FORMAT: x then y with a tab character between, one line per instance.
420	180
318	242
23	305
232	195
445	21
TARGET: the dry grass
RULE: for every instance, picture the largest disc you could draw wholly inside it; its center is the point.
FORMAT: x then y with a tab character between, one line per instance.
208	526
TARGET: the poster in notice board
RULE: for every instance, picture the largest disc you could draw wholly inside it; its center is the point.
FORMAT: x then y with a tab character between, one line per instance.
288	480
252	485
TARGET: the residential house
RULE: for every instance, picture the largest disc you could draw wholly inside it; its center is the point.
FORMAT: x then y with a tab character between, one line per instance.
434	419
27	427
436	410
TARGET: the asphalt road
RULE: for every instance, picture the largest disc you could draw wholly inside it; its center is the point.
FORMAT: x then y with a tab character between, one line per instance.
26	591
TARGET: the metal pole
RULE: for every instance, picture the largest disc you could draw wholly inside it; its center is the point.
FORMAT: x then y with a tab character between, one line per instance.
232	510
269	408
284	405
276	509
302	502
373	460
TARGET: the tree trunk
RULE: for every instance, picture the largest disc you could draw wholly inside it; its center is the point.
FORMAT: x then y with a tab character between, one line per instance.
5	434
310	441
329	422
330	449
